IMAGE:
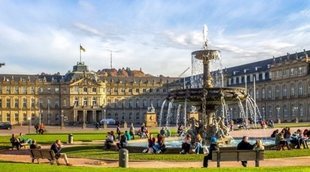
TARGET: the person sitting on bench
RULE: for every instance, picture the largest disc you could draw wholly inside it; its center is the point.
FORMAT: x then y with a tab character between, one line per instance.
244	145
56	148
34	145
15	142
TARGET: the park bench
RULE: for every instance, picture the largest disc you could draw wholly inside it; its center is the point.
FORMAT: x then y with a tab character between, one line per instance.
238	155
37	154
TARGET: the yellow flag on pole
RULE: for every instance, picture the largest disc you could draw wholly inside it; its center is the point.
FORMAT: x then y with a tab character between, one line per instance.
82	48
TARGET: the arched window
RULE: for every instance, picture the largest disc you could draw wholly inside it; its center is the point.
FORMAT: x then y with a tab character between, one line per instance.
293	90
284	93
301	110
300	89
263	93
285	111
277	95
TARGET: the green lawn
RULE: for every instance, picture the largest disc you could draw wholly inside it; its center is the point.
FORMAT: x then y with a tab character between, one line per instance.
96	152
49	138
301	124
10	167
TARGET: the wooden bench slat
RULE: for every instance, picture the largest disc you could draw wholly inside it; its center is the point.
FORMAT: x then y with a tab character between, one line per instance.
238	155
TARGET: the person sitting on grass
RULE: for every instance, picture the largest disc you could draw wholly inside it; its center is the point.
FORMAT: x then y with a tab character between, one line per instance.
34	145
213	147
151	145
127	135
23	139
186	145
109	141
41	128
281	142
122	142
162	131
244	145
160	146
167	132
274	133
198	144
15	142
56	148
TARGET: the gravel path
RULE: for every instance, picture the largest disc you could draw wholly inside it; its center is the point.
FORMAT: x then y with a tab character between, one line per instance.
20	156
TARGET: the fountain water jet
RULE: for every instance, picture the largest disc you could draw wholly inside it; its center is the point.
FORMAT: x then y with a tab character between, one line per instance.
208	98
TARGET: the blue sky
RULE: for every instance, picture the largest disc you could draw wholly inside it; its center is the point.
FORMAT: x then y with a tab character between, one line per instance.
157	36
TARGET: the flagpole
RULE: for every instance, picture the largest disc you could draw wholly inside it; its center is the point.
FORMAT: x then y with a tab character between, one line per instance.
80	54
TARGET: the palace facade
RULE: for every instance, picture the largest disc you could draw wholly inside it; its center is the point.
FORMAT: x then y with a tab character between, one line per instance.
282	86
81	96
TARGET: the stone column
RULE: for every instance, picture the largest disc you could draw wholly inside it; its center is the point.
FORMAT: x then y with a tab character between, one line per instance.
94	116
84	119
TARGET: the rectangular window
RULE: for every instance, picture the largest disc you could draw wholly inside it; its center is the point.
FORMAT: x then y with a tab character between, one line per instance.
85	101
24	117
16	90
16	103
64	102
8	89
8	103
0	103
16	117
33	102
85	89
1	118
24	90
137	90
32	90
24	103
94	101
76	101
8	117
94	90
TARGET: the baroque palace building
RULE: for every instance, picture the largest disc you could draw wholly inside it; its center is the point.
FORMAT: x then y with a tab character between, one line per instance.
282	86
81	96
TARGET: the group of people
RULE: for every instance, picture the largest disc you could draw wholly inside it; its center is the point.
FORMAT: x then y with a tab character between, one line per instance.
40	128
290	140
121	138
19	141
194	144
164	131
156	145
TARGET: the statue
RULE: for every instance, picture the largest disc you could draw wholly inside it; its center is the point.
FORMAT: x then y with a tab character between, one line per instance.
151	109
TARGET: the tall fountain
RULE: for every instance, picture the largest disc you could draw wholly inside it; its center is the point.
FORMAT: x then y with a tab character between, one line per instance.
208	98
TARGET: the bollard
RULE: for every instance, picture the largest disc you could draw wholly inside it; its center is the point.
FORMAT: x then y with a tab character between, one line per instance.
70	138
123	158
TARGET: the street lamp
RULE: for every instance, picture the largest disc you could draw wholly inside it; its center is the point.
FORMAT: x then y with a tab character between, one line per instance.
29	126
278	114
62	119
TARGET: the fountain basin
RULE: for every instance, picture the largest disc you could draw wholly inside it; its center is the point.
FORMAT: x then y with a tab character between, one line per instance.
214	95
173	144
206	54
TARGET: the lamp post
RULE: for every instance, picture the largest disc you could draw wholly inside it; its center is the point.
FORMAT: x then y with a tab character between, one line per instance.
278	114
62	119
29	126
105	117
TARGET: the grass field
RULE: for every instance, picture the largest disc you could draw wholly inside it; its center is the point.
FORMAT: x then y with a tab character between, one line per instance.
96	152
49	138
10	167
301	124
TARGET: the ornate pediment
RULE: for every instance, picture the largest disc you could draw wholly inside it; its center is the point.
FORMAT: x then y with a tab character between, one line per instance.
85	82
